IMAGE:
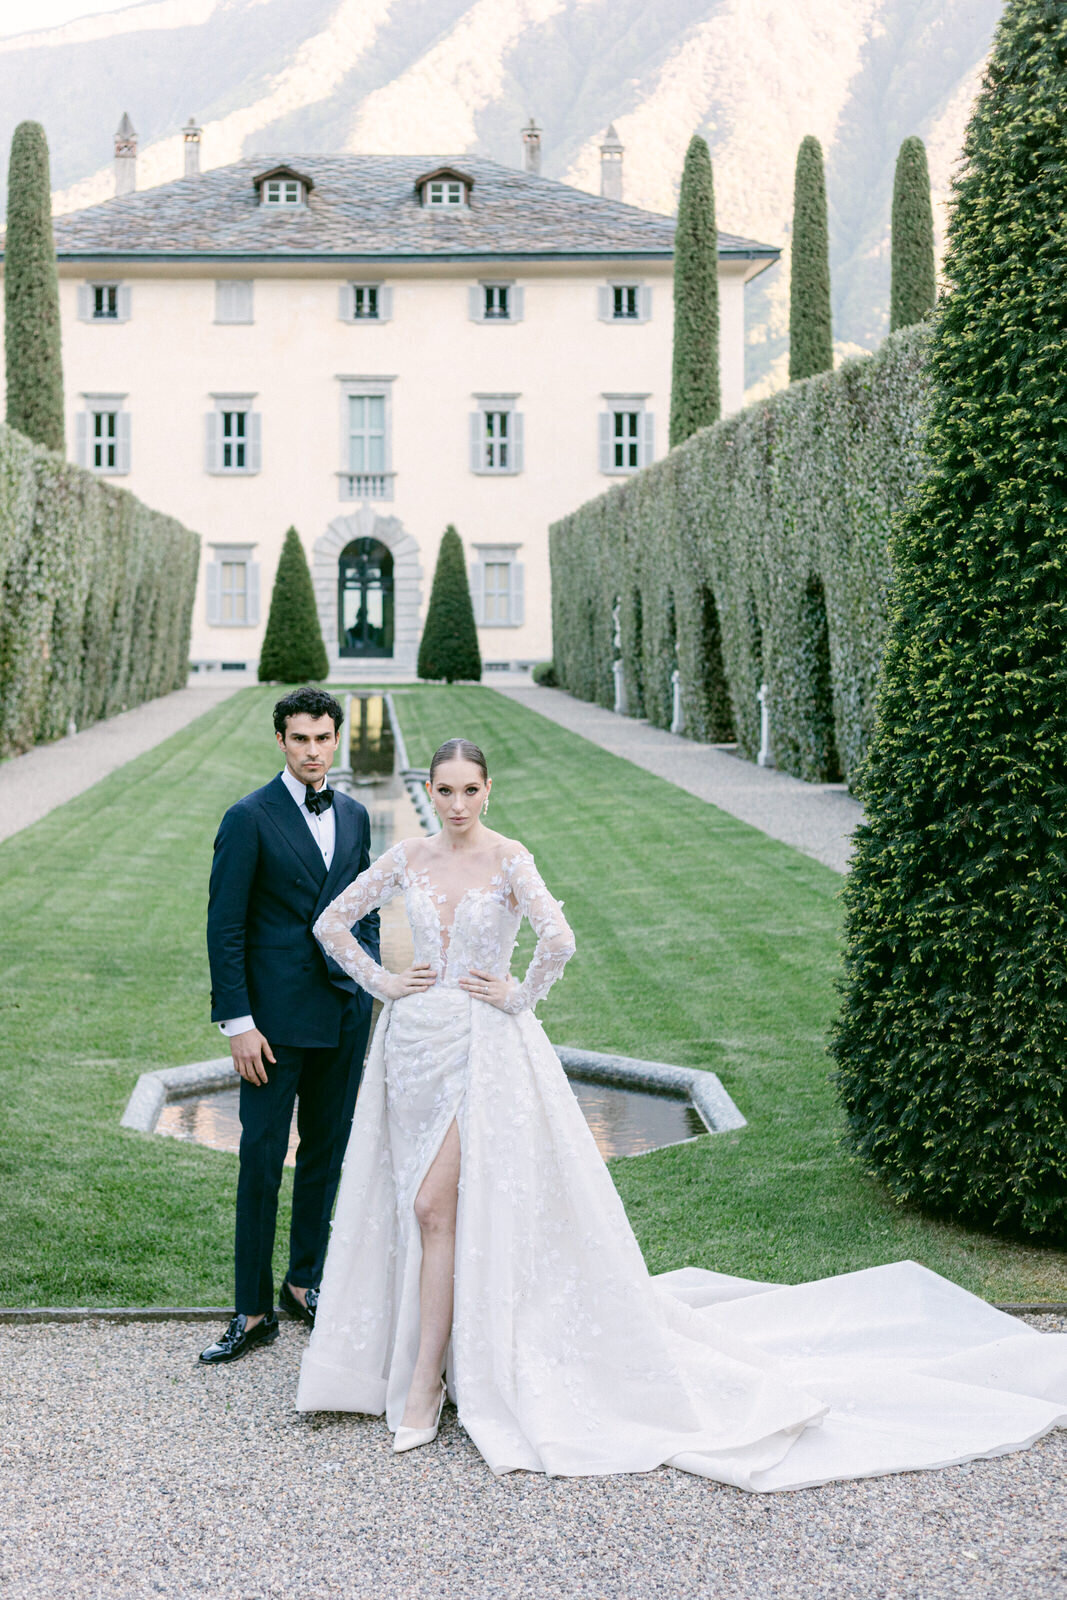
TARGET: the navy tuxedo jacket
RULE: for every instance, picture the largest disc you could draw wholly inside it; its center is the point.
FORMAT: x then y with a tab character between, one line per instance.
268	885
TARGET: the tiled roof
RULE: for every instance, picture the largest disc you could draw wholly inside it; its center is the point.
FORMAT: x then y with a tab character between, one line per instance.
366	207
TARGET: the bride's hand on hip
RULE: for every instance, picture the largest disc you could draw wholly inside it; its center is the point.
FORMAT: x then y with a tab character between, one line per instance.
482	986
414	980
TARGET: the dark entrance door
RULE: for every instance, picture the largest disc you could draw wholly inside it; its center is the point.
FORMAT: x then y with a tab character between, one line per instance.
365	599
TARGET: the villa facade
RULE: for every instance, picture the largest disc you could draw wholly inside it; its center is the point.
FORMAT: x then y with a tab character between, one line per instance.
369	348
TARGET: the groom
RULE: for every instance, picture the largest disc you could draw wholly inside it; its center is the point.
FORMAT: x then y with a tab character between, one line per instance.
297	1024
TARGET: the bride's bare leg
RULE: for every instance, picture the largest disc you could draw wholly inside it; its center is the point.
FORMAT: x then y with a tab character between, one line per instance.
435	1210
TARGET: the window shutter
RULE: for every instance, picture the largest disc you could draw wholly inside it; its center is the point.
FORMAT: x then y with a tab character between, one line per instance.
255	436
517	607
213	581
385	304
252	580
123	302
212	434
346	303
477	435
516	302
476	302
517	431
644	303
478	592
605	302
648	438
85	302
245	301
81	438
122	442
605	441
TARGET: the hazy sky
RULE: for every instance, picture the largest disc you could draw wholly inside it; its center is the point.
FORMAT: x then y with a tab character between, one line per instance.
18	17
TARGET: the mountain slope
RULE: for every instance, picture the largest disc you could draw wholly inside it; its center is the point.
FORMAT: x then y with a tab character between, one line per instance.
400	76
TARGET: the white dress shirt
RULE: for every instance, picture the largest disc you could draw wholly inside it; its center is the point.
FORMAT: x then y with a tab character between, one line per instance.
324	832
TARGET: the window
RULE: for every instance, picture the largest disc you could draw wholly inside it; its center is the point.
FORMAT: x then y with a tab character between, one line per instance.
497	587
444	192
627	434
624	302
233	300
496	435
366	447
103	435
232	587
496	302
104	302
366	302
283	192
233	436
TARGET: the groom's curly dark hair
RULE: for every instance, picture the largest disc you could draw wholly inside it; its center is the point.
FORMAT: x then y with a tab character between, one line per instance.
307	702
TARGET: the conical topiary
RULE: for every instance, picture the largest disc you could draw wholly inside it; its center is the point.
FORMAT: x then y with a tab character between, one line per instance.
952	1044
449	645
293	651
695	397
811	340
914	278
31	294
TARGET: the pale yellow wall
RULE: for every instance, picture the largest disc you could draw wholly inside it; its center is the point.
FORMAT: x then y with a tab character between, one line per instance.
171	356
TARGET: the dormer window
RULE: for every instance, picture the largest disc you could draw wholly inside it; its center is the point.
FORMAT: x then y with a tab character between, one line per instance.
283	192
282	189
445	189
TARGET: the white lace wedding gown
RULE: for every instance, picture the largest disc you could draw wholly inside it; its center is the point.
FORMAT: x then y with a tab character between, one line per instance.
566	1356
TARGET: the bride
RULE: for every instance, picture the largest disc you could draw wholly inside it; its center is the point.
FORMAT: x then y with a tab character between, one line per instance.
480	1249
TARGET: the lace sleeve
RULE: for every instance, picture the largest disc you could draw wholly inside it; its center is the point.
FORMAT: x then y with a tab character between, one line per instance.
555	941
382	880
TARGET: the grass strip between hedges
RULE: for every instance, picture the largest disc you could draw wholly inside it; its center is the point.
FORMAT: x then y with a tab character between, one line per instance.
700	942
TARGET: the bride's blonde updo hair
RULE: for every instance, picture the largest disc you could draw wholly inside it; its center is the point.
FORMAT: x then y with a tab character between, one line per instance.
460	750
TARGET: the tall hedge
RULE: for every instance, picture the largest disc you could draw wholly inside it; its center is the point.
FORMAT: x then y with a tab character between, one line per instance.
293	651
96	601
767	533
695	397
31	294
913	284
811	340
952	1043
449	645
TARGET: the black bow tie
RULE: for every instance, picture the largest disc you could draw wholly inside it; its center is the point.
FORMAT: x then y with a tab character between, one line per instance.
318	800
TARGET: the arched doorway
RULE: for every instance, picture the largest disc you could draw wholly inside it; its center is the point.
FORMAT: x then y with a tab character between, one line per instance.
365	610
343	532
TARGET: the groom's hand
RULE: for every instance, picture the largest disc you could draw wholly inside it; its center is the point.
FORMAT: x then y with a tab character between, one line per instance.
251	1052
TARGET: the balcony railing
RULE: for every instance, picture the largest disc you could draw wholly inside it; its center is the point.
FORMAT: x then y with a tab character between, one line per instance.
366	485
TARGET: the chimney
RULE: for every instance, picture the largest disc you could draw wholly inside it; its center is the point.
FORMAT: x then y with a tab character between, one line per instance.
531	147
611	165
125	157
191	134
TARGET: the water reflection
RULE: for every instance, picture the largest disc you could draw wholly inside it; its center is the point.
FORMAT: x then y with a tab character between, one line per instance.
624	1122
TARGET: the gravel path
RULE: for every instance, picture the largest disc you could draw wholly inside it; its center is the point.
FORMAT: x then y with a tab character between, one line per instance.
128	1471
34	784
817	818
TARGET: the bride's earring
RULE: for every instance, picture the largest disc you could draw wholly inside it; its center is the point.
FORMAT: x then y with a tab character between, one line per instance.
485	808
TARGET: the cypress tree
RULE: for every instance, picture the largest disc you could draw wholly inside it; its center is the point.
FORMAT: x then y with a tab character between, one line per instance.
952	1044
449	645
914	280
811	340
293	651
695	398
31	294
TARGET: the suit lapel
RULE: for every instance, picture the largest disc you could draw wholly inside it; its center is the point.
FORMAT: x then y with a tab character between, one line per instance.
291	825
347	823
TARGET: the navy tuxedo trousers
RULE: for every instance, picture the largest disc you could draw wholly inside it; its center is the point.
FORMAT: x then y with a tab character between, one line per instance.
323	1082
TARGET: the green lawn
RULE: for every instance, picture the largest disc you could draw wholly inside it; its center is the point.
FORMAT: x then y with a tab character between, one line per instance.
700	942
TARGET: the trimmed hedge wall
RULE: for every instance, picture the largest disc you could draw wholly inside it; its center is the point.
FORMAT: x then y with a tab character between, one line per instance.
96	600
755	552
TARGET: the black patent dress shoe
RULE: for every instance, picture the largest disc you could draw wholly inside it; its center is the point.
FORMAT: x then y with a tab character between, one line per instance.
288	1301
239	1339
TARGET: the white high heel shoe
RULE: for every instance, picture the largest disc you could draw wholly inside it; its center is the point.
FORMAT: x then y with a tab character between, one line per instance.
411	1438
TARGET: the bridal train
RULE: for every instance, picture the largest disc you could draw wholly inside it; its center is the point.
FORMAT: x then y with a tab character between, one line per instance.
566	1356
